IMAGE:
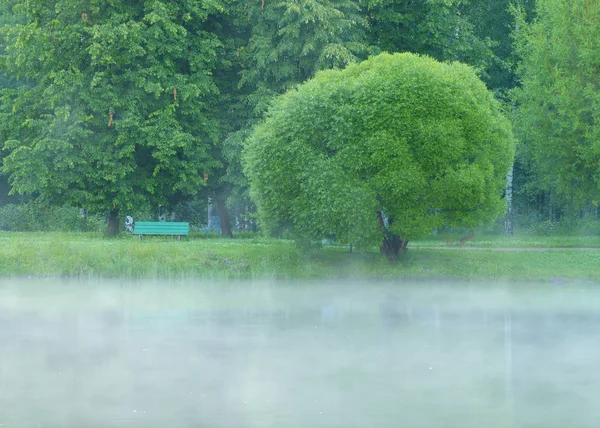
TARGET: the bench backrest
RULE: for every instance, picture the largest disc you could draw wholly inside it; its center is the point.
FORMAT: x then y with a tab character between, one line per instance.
161	228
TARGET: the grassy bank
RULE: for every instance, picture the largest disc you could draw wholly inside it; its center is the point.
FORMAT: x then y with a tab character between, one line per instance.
92	255
525	241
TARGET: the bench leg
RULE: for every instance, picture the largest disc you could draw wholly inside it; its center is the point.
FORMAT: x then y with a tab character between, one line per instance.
139	238
178	238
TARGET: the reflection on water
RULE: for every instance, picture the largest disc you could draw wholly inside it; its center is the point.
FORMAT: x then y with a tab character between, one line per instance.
297	355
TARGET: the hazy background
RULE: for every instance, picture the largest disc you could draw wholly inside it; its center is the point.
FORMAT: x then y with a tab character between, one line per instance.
320	354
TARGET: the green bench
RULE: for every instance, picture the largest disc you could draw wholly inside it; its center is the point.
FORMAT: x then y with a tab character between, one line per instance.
161	228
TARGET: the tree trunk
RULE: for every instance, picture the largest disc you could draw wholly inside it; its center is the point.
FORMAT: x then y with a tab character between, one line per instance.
113	222
83	217
224	217
508	217
162	214
393	246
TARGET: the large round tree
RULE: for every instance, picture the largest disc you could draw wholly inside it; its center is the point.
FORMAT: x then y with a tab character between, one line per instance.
381	152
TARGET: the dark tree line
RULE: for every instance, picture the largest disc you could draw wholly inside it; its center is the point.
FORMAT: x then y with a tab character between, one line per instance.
112	105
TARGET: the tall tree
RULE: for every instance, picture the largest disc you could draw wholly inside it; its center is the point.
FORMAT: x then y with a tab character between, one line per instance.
558	114
270	47
115	111
442	29
7	17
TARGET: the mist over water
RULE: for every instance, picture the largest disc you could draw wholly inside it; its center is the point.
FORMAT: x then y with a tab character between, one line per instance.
268	354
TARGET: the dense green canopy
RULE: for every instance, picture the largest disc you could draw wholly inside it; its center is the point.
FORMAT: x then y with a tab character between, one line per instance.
391	147
113	109
183	83
558	115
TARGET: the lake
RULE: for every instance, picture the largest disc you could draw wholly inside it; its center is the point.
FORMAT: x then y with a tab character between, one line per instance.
298	354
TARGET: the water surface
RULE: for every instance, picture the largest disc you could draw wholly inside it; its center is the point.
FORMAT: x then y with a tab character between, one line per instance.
271	354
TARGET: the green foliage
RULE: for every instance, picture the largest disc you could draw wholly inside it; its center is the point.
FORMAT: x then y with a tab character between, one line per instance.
543	228
270	47
443	29
290	40
32	217
66	67
404	137
114	112
557	112
566	227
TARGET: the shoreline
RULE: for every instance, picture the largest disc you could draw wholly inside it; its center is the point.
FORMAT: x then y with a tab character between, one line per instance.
59	255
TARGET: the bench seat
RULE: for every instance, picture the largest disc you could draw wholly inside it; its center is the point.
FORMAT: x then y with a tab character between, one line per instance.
178	229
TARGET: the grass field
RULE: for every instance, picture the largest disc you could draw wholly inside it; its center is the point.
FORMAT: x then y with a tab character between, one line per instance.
525	241
92	255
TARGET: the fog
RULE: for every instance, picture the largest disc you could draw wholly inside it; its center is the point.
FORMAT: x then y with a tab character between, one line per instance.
289	354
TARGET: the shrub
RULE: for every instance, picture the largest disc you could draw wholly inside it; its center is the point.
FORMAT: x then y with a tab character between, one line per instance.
31	217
